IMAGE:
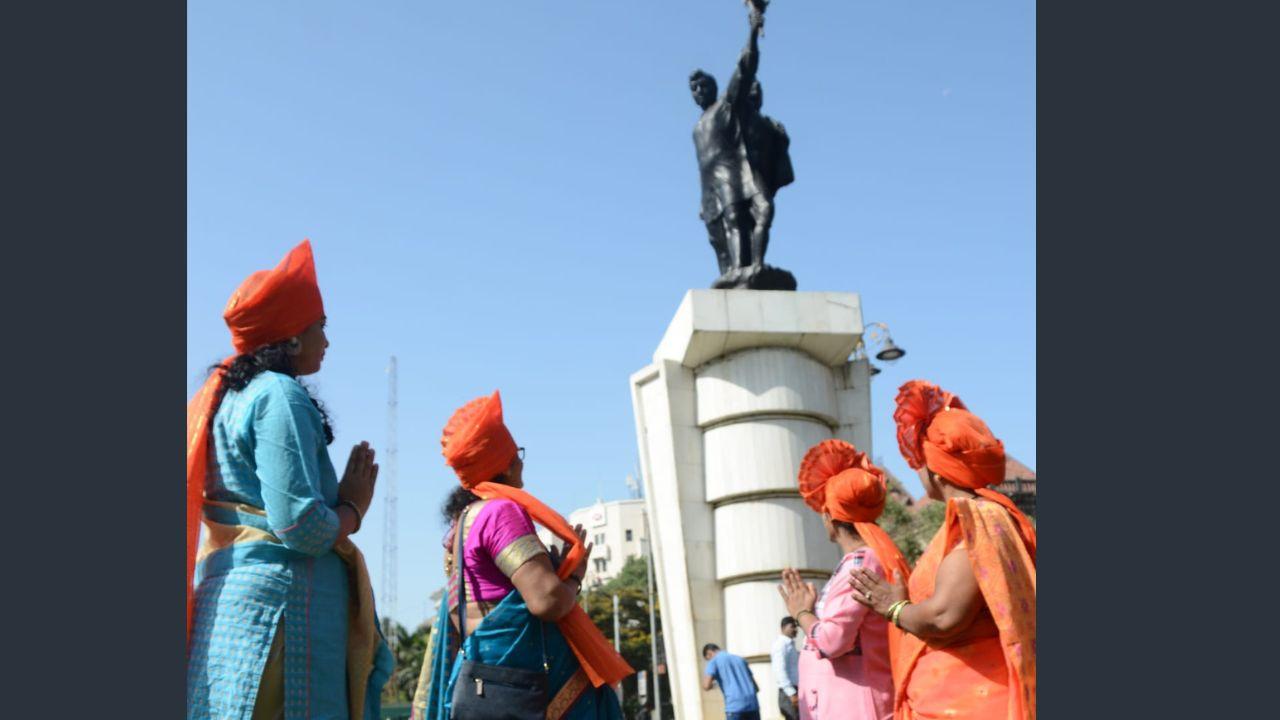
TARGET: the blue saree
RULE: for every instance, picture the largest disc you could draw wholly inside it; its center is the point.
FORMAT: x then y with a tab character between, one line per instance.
509	636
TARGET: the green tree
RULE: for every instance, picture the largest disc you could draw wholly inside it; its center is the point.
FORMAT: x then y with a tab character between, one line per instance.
911	530
409	650
927	520
900	523
631	587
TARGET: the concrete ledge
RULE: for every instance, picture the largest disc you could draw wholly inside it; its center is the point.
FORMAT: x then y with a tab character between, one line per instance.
711	323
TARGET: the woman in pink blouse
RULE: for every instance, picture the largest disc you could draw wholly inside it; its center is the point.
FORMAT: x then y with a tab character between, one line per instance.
844	667
512	604
500	538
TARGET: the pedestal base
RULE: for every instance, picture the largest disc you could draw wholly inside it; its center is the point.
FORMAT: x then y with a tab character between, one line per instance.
742	384
767	277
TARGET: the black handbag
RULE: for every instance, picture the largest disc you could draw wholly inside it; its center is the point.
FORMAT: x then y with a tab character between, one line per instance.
494	692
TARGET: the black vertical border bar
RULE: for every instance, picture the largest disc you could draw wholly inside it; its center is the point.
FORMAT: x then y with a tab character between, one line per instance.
93	286
1156	179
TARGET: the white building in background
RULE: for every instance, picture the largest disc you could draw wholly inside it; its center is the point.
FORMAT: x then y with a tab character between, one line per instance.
616	528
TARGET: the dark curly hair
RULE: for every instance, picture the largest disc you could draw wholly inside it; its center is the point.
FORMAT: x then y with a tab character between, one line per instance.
460	498
456	502
847	526
275	357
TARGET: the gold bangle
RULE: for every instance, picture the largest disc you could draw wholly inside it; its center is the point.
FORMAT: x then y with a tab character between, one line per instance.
356	510
815	616
888	614
897	616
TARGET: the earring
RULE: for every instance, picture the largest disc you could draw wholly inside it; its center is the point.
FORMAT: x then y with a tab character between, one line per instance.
294	347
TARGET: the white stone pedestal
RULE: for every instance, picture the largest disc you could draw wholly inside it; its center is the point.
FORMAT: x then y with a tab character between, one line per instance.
742	384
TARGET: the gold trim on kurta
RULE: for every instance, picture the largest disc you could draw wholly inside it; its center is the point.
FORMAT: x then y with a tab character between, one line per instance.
518	552
222	536
239	507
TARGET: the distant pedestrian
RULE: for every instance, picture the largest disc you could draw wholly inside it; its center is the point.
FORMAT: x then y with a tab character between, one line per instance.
736	682
786	670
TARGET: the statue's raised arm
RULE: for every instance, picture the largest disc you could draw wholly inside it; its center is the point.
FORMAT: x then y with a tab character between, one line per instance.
748	63
742	161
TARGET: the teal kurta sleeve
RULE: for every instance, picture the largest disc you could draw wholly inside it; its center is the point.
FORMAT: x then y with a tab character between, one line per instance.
291	460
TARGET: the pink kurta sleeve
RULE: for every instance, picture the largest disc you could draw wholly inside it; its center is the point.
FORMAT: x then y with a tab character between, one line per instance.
836	631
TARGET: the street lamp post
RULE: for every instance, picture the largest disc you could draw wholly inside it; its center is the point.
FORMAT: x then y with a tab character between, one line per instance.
878	332
646	547
617	642
653	626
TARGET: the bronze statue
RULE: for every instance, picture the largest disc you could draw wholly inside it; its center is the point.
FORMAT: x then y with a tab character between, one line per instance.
743	159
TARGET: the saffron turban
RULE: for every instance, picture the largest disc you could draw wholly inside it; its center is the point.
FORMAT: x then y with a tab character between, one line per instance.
837	479
478	446
268	307
476	442
937	431
273	305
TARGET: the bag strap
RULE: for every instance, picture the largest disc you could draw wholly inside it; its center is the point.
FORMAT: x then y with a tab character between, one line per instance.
459	558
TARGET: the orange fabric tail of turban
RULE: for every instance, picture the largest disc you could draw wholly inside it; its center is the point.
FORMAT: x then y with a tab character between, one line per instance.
478	446
269	306
836	478
937	431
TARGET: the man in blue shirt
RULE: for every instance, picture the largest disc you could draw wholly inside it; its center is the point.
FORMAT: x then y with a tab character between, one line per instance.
736	682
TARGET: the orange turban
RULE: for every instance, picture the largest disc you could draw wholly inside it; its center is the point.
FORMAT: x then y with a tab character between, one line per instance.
937	431
837	479
478	446
273	305
269	306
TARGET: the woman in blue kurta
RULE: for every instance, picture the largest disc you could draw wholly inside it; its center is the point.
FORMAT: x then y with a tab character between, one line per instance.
282	623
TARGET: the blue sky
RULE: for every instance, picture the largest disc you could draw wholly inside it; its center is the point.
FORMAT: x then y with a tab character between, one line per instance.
504	195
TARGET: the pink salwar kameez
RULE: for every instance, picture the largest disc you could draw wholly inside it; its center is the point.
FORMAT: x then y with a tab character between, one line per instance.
844	665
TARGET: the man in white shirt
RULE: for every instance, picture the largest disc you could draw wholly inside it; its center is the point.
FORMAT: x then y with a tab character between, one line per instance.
786	662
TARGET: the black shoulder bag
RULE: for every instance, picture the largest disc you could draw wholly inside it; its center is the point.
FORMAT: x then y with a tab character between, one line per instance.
494	692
